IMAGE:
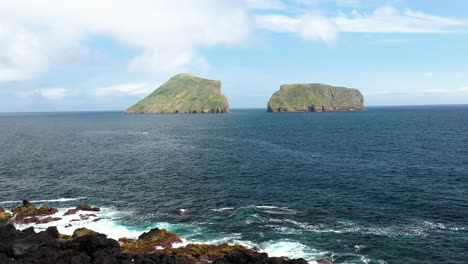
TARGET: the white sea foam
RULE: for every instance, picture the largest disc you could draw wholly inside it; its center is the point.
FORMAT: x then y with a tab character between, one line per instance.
110	225
271	209
106	225
266	207
58	200
222	209
284	230
291	249
183	211
274	248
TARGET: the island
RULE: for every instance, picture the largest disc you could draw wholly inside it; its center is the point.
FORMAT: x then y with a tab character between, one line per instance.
315	97
183	93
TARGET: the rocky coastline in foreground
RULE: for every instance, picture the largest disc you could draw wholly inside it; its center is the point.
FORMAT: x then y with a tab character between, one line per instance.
87	246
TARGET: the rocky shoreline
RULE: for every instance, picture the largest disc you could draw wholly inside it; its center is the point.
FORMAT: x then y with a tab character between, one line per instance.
87	246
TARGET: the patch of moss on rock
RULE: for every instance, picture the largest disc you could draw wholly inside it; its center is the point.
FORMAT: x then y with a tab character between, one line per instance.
5	216
160	241
162	236
205	251
46	210
65	237
149	241
28	210
83	232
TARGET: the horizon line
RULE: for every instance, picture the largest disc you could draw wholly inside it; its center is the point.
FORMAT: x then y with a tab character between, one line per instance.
235	108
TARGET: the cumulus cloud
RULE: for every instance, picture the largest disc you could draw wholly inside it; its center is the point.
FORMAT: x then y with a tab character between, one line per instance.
166	36
167	33
310	26
385	19
24	53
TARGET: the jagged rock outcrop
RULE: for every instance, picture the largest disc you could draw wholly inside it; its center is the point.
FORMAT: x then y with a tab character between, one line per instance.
49	246
28	213
183	93
315	98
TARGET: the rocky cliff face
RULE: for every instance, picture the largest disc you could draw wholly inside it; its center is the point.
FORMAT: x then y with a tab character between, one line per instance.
183	93
315	98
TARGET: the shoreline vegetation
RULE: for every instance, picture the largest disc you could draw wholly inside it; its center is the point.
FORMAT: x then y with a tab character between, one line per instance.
157	246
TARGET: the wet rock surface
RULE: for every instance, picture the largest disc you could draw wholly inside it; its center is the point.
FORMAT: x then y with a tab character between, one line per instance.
49	246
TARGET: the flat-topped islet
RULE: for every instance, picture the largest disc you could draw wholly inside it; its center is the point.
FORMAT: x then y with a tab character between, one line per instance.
183	93
315	98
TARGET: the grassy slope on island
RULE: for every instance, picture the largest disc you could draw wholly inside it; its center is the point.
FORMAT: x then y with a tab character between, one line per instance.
300	96
184	93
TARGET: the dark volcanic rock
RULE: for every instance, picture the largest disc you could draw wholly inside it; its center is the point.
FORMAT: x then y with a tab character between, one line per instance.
71	211
162	236
46	247
83	207
27	213
28	247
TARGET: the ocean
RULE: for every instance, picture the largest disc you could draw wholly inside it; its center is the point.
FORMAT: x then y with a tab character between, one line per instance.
385	185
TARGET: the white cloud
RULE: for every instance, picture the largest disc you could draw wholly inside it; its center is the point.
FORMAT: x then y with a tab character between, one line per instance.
125	89
25	53
168	33
337	2
390	20
310	26
384	93
265	4
383	20
53	93
447	91
316	27
437	91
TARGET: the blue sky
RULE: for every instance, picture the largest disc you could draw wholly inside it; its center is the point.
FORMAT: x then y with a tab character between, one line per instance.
106	55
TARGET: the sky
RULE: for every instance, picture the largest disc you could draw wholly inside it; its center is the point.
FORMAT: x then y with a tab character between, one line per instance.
87	55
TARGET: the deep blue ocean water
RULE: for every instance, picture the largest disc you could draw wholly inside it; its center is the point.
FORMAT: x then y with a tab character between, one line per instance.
386	185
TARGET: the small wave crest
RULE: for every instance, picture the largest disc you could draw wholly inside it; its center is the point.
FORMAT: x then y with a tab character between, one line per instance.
271	209
415	229
222	209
